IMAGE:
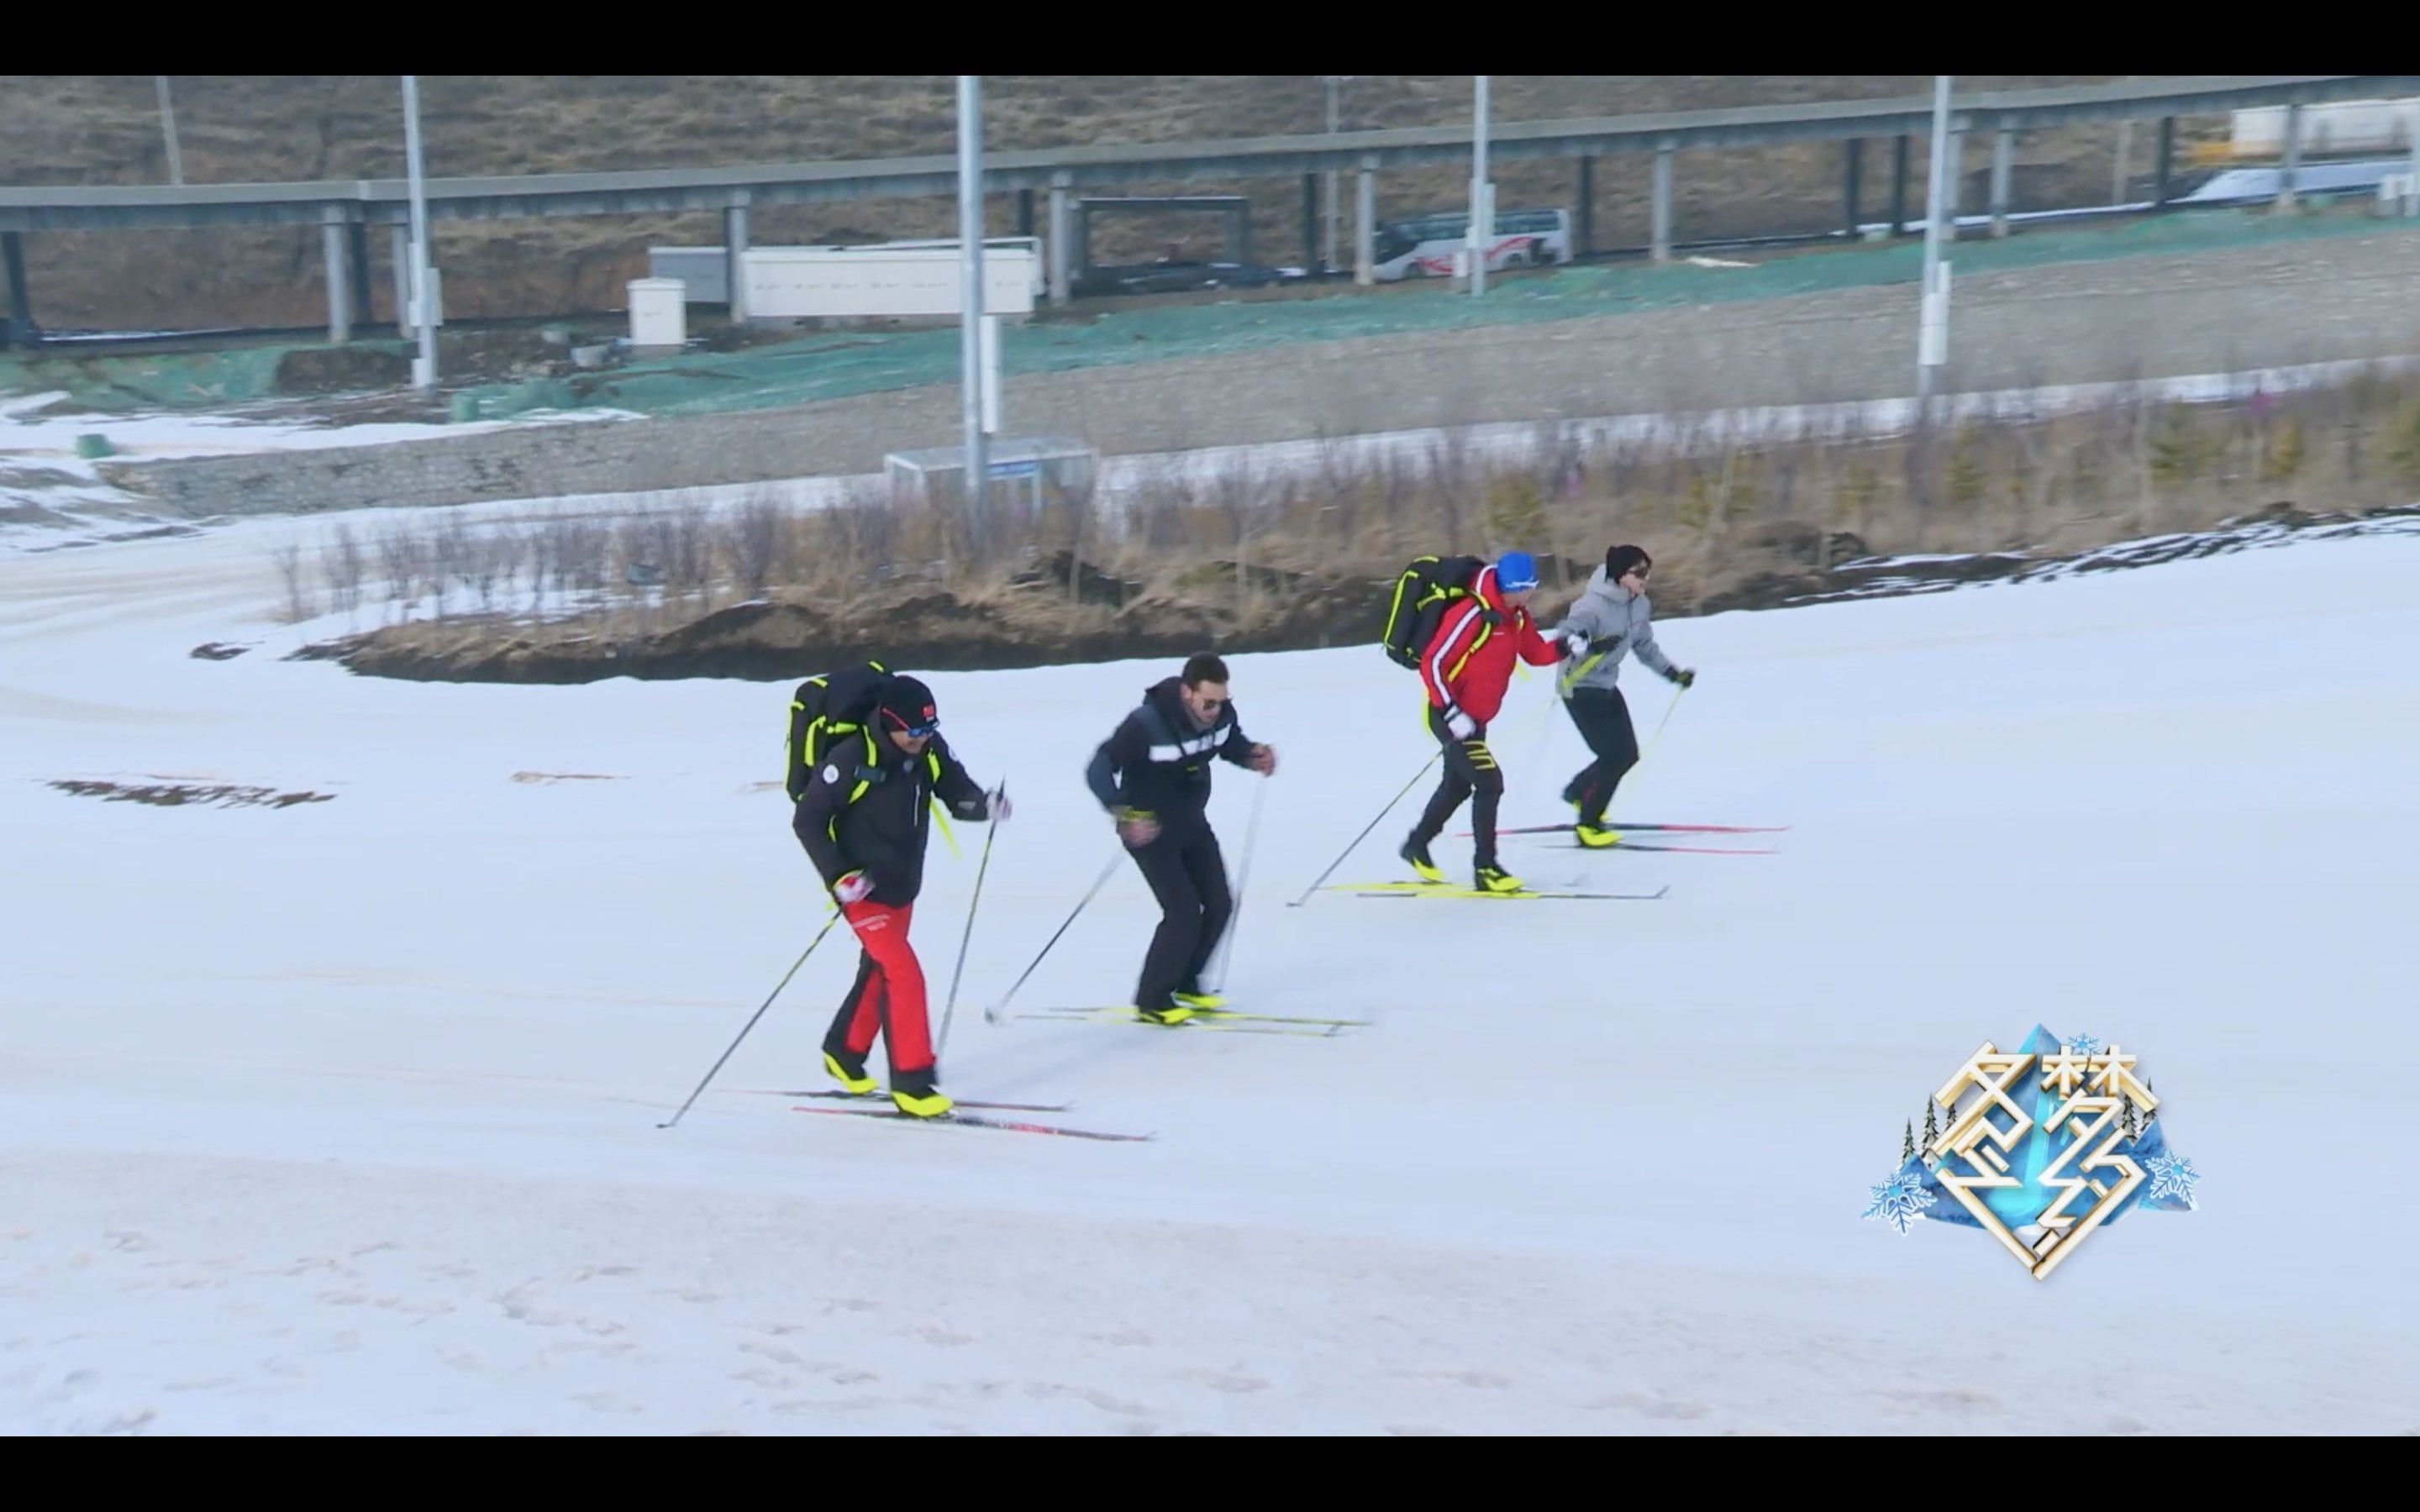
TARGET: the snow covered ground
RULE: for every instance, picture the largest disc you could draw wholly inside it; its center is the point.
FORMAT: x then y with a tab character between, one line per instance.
342	1117
44	480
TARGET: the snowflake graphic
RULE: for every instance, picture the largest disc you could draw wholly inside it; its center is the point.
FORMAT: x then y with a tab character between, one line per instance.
2172	1176
1899	1200
2083	1044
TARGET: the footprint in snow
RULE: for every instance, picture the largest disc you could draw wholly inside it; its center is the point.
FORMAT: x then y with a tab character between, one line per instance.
1227	1381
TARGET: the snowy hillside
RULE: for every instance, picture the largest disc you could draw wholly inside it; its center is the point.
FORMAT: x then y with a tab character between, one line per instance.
342	1116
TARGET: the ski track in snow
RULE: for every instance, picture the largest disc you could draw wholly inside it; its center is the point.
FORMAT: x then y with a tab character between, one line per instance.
341	1118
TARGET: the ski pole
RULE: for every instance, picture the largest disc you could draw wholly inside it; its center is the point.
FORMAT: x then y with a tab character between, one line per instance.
1649	747
1545	716
950	1007
1660	724
1365	833
1242	881
991	1013
758	1014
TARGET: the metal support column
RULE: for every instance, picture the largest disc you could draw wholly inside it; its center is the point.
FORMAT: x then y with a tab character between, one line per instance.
357	270
1310	219
1365	225
400	258
1660	234
20	307
1588	205
1954	181
1899	185
1852	160
734	247
2004	143
1061	280
340	286
1025	212
2287	199
2412	205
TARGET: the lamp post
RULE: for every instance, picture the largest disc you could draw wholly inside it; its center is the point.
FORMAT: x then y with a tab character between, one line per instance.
970	248
168	130
424	367
1932	337
1482	193
1334	82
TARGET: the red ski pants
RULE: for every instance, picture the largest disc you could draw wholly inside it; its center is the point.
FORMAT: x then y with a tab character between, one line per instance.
889	995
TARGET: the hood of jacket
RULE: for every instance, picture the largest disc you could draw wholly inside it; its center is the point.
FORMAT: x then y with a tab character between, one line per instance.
1610	596
1167	697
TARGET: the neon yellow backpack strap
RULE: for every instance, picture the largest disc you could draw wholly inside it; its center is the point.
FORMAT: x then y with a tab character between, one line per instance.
941	815
1478	640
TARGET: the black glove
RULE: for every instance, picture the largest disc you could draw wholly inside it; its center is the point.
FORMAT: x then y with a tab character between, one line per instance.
1684	676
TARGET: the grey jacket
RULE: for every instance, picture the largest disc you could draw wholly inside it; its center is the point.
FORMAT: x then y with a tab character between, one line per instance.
1615	621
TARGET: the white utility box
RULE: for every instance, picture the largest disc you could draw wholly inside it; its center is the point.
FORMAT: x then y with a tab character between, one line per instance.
659	315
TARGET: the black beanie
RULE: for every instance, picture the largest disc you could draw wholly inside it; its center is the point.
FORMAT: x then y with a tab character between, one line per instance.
907	704
1620	560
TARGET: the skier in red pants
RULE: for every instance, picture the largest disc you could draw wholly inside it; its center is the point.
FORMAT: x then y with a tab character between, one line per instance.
864	819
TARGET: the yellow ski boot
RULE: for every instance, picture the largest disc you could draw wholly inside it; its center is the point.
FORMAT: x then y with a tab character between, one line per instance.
930	1104
1200	1002
1418	856
1171	1015
1496	879
912	1092
1596	837
849	1071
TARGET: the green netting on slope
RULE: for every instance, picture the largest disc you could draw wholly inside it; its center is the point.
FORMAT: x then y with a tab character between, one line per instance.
842	365
156	381
838	366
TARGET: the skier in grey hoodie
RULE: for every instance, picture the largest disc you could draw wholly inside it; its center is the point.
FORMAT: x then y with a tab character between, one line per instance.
1609	618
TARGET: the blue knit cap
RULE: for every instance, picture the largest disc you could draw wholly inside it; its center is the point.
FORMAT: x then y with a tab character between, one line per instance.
1515	571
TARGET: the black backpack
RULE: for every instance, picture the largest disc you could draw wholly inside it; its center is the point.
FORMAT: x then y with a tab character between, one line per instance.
1418	601
824	709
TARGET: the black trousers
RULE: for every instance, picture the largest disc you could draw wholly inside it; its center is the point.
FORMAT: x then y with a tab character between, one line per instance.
1188	876
1604	720
1470	773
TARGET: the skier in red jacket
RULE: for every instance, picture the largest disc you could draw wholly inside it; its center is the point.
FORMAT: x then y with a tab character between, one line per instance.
1467	667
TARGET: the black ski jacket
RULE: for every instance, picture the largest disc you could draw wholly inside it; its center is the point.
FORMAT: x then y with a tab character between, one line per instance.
1158	760
867	809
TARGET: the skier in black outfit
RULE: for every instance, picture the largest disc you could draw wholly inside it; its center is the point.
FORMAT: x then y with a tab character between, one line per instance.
1153	775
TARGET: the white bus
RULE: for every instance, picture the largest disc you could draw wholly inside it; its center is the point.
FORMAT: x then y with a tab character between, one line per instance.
1426	247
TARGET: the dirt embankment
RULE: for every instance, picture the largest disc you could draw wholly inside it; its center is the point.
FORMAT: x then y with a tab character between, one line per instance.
1040	622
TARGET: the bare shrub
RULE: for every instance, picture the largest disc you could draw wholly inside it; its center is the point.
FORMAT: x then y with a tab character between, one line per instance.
400	551
343	563
755	536
290	570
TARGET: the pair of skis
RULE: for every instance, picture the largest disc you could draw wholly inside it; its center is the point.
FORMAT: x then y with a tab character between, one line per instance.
1215	1020
960	1117
1628	844
1448	889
